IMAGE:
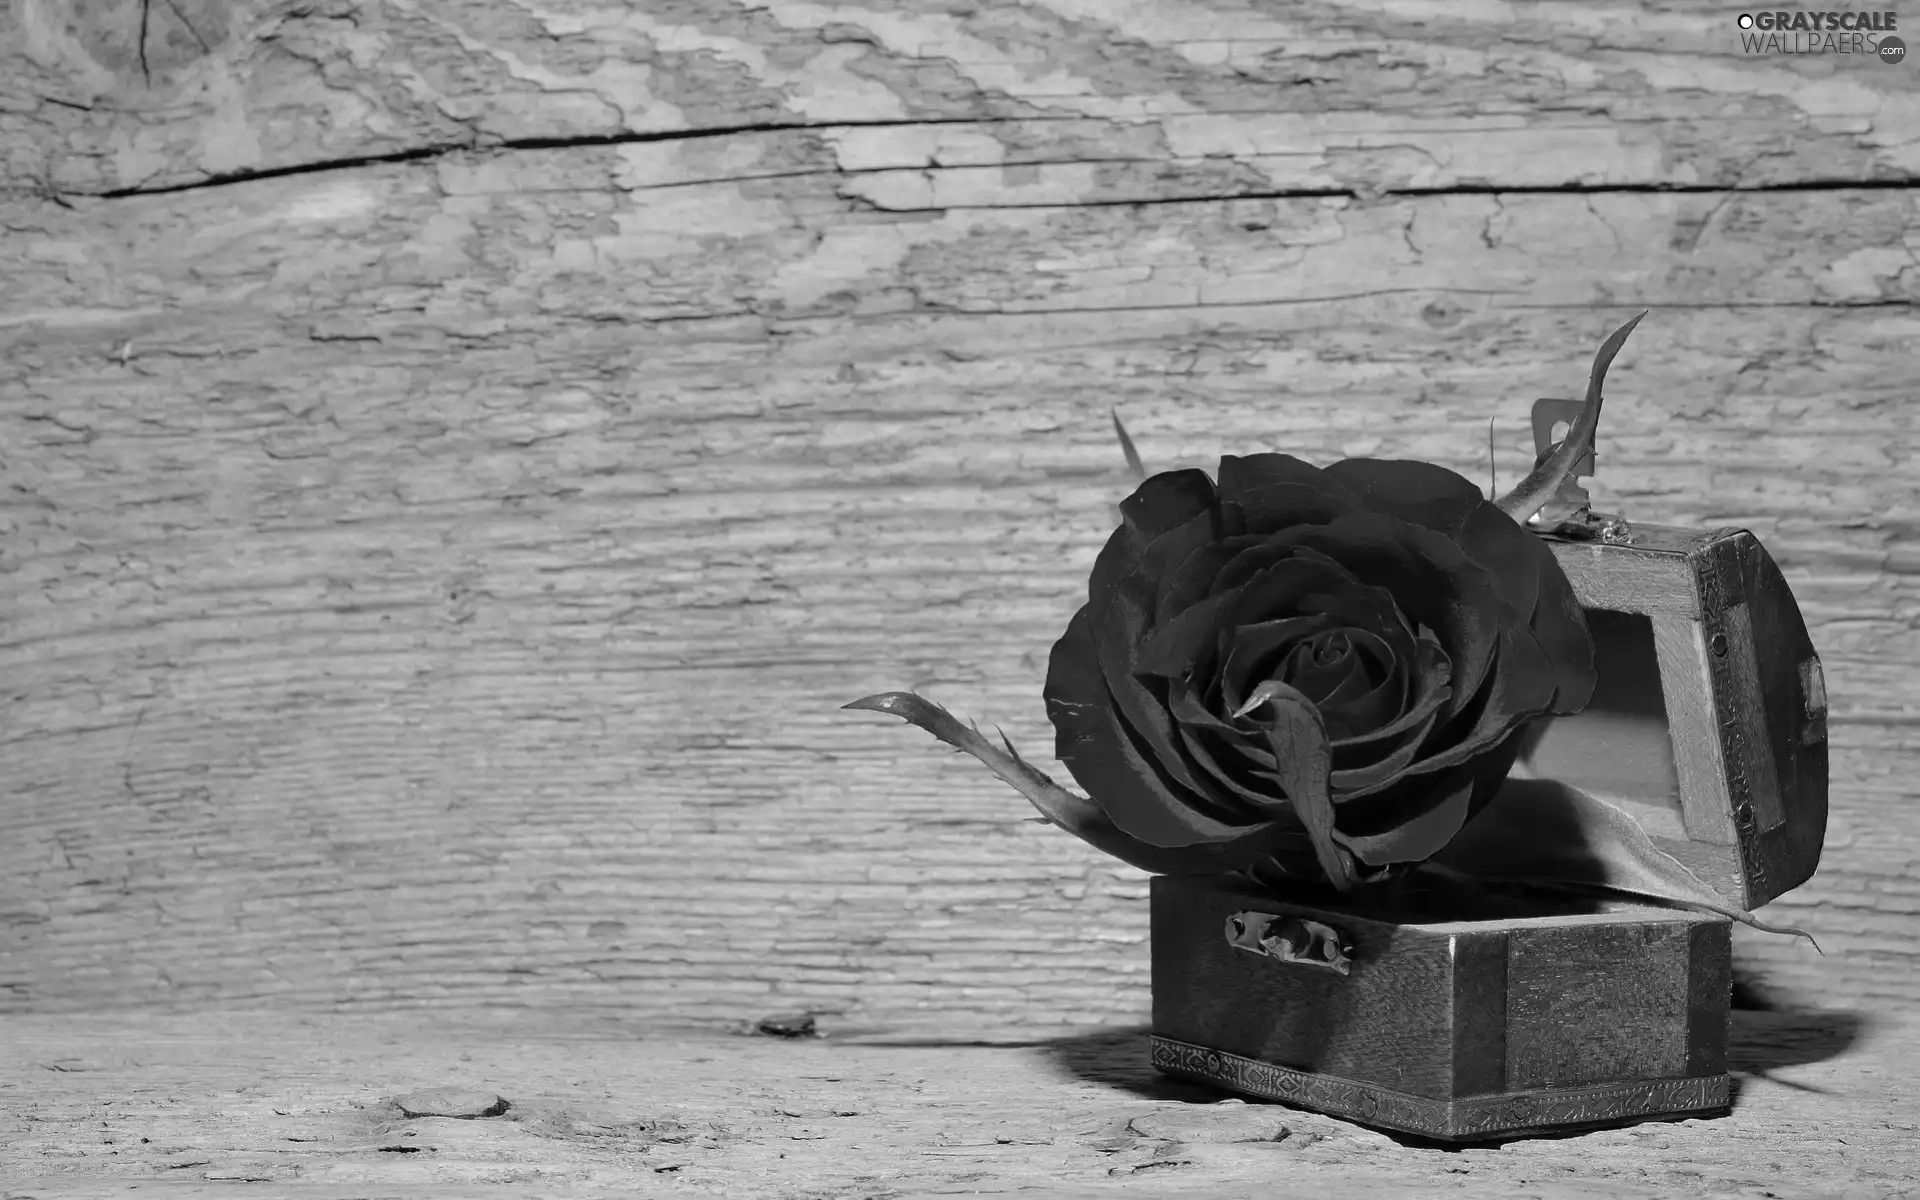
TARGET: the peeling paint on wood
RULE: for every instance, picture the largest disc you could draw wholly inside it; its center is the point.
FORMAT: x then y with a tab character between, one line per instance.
440	534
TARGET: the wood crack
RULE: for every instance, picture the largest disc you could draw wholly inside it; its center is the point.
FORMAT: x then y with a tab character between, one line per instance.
443	149
594	141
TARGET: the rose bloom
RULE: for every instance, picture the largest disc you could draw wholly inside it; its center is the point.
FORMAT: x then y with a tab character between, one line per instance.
1307	673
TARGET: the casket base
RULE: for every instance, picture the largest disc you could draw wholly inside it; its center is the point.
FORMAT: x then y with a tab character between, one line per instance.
1471	1118
1482	1026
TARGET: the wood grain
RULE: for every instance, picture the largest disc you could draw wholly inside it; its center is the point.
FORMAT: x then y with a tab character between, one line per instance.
187	1108
1221	94
439	533
1699	760
1597	1003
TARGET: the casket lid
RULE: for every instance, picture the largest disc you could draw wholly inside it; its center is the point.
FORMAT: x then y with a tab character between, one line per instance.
1709	724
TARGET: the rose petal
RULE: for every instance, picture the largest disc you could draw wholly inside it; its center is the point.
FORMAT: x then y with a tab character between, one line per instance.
1559	625
1240	474
1277	591
1271	551
1317	667
1396	753
1525	571
1227	763
1362	715
1135	565
1368	762
1191	580
1429	694
1431	688
1530	580
1418	835
1280	591
1165	501
1118	627
1163	555
1359	716
1433	581
1519	690
1237	754
1101	754
1362	606
1513	556
1374	620
1251	648
1167	518
1419	817
1355	682
1371	695
1231	756
1265	510
1421	493
1187	645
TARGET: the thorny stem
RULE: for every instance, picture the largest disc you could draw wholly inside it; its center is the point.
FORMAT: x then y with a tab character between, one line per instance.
1493	466
1531	493
1126	446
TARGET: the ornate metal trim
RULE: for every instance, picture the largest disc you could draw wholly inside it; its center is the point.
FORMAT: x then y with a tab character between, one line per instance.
1467	1119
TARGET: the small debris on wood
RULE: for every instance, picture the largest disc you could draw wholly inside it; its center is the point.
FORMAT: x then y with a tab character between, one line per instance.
569	1123
1214	1124
815	1114
463	1103
254	1173
1114	1145
788	1025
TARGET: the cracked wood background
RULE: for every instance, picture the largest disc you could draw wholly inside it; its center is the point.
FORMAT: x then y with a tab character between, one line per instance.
457	457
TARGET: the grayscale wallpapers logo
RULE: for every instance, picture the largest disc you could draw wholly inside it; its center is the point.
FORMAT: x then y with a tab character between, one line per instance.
1870	34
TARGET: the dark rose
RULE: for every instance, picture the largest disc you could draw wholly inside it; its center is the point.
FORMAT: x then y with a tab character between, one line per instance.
1296	667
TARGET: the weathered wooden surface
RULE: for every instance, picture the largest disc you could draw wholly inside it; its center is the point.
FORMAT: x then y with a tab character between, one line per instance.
457	458
1208	97
307	1107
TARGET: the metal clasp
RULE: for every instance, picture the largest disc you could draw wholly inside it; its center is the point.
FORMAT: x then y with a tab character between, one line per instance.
1570	512
1291	940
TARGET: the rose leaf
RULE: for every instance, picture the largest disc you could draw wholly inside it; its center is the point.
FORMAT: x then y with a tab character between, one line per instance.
1549	833
1304	765
1074	813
